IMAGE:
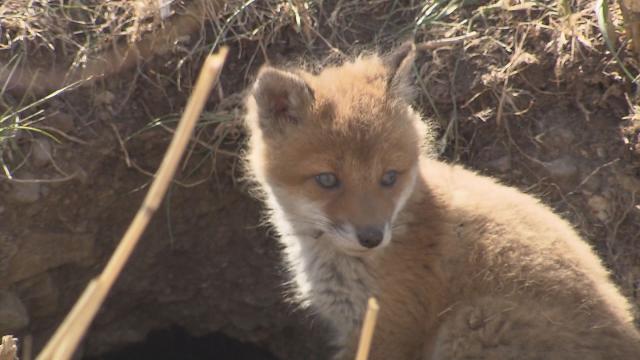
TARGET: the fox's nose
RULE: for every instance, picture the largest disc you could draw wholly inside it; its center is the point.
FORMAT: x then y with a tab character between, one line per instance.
370	236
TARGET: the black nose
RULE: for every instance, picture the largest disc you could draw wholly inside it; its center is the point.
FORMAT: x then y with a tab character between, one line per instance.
370	236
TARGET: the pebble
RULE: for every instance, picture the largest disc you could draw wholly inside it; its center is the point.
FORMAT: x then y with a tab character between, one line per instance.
41	152
13	314
502	164
563	168
25	192
40	294
61	121
40	251
600	207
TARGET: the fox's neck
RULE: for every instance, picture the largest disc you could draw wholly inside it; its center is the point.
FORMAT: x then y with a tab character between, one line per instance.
336	285
333	284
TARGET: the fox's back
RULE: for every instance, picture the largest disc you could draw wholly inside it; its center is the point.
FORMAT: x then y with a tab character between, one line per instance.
505	242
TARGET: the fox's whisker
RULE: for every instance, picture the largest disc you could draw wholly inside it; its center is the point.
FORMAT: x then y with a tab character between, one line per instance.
303	220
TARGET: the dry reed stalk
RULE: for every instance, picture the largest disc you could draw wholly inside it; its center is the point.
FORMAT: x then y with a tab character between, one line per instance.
8	349
434	44
368	326
65	340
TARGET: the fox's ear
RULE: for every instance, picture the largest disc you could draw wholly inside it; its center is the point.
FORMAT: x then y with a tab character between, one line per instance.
281	97
399	64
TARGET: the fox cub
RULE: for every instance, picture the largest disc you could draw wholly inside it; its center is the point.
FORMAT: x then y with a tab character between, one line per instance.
463	267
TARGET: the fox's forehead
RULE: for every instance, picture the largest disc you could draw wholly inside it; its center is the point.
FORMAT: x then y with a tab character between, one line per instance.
353	125
352	90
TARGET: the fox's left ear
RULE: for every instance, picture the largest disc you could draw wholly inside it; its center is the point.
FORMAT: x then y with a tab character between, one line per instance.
283	98
399	64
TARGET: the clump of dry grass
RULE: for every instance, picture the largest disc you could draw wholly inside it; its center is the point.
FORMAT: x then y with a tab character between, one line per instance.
8	348
43	44
73	27
514	36
101	38
50	47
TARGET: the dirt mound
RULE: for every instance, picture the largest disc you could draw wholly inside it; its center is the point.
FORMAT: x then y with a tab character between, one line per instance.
537	99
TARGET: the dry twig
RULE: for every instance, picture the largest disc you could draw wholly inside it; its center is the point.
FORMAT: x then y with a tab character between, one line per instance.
434	44
8	349
367	329
65	340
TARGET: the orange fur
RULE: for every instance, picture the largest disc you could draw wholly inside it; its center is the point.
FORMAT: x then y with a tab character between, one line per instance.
469	268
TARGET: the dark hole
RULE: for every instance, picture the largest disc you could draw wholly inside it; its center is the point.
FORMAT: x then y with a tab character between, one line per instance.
176	343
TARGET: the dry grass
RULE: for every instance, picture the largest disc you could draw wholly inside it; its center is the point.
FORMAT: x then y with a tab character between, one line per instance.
8	348
18	122
38	35
76	27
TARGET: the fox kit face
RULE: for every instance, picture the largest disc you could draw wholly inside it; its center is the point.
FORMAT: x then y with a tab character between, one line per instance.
337	153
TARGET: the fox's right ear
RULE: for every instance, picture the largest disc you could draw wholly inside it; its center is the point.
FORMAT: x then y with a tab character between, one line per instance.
281	98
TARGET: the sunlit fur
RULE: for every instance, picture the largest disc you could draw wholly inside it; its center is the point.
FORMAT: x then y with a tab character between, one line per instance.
468	268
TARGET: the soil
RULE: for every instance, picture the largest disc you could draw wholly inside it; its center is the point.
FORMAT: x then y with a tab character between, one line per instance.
205	268
176	343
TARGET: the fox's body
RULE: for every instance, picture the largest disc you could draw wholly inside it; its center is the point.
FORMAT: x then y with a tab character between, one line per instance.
463	267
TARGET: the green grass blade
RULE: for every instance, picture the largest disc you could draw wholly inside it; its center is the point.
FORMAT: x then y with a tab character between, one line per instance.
602	13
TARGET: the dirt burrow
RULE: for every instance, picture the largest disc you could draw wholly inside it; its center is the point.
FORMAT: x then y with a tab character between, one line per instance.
204	263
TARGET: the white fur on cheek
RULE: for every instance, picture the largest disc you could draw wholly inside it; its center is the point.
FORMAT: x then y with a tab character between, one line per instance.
332	283
386	239
406	192
304	217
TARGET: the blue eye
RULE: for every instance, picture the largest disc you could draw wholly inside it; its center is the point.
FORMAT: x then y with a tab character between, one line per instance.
327	180
389	178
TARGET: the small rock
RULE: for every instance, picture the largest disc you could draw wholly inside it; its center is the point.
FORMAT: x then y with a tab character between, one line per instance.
600	208
39	252
8	250
40	295
61	121
562	169
593	184
563	136
13	315
44	190
25	192
41	152
502	164
628	181
103	115
104	98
